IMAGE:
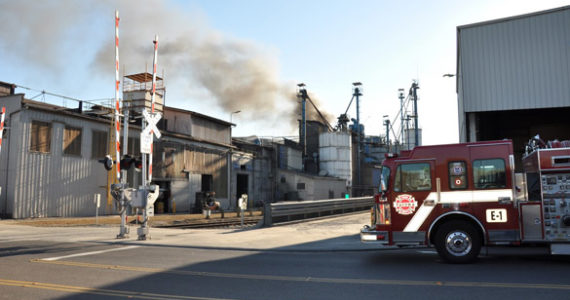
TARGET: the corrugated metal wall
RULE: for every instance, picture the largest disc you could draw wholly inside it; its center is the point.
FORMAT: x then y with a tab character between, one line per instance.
53	184
519	63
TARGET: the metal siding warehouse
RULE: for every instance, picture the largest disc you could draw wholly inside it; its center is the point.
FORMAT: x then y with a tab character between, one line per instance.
513	78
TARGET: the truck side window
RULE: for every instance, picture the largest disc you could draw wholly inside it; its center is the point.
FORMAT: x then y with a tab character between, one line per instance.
397	180
489	173
413	177
457	175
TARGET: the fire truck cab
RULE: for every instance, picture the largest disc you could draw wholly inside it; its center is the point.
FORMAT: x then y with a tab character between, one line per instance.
461	197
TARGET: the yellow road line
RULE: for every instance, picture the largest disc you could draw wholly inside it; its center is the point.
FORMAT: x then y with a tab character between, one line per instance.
312	279
96	291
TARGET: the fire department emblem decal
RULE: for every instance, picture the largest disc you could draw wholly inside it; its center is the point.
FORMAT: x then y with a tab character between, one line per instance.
405	204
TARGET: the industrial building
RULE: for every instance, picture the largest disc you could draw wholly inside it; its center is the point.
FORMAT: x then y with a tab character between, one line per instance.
513	78
50	163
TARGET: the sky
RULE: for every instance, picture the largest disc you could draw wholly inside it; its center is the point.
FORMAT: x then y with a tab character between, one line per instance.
218	57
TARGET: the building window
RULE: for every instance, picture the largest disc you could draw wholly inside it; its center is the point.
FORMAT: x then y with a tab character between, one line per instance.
72	141
99	140
413	178
457	175
40	137
489	174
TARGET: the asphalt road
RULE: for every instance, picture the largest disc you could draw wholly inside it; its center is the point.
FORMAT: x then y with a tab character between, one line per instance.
44	269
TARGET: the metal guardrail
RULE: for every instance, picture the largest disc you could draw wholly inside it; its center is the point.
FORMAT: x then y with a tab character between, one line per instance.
299	210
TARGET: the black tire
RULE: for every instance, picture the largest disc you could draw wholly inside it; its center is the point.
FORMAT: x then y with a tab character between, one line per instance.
458	242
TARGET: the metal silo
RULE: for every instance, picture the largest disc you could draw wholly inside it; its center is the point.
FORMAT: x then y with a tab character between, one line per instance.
335	155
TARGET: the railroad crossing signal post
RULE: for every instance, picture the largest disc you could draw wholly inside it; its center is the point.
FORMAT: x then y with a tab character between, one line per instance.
143	198
150	130
118	193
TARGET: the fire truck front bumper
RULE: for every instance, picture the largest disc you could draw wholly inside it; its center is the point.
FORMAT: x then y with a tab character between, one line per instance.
370	235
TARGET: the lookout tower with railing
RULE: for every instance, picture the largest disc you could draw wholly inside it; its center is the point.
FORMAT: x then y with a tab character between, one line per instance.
137	93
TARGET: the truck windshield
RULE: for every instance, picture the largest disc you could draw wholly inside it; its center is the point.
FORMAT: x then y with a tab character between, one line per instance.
384	179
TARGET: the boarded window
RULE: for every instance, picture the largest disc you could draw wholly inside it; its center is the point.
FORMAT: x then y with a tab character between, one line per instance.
72	140
40	137
99	140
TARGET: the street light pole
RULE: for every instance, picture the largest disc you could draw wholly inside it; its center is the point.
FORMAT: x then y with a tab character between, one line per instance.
232	114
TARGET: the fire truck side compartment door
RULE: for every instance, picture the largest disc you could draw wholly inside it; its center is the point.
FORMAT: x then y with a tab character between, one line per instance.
531	221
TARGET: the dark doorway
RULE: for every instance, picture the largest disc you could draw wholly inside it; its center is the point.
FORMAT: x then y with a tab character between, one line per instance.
241	187
161	205
207	182
522	125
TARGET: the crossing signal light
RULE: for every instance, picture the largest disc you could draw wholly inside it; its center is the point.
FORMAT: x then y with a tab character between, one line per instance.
128	161
107	162
138	165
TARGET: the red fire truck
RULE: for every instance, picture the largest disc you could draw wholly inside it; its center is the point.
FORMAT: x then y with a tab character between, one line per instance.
461	197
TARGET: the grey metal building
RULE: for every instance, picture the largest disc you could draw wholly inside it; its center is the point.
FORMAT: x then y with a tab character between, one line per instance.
49	162
513	78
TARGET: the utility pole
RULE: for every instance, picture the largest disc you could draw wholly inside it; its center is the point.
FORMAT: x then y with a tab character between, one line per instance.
407	131
401	96
414	92
387	124
302	94
357	93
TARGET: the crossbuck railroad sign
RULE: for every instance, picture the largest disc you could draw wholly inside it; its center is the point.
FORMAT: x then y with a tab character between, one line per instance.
152	120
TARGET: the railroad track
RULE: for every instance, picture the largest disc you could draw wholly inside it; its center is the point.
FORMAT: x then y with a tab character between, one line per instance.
212	223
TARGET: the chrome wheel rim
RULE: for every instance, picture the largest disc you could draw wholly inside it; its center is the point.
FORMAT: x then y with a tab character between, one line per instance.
458	243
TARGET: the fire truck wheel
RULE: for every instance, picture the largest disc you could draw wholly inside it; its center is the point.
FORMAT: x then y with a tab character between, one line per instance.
458	242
